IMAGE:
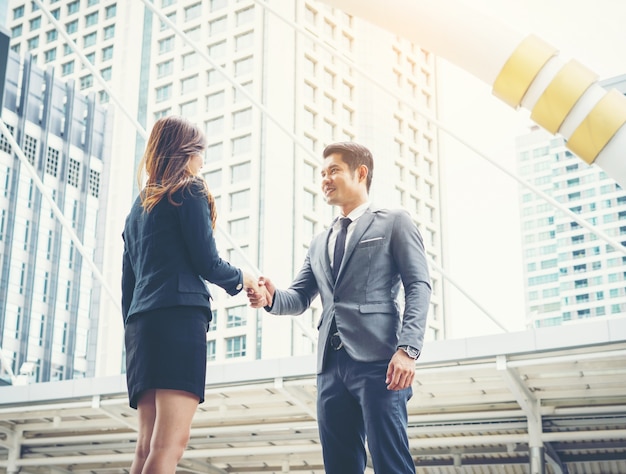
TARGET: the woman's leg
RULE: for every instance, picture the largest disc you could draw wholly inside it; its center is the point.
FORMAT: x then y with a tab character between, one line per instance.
146	411
170	434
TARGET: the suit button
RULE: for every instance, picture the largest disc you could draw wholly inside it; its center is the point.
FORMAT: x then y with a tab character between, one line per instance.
336	299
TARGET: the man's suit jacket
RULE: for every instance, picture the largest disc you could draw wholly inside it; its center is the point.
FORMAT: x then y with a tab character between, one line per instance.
169	252
385	249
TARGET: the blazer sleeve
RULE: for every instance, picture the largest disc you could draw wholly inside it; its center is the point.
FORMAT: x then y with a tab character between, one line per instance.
128	281
195	221
297	298
410	258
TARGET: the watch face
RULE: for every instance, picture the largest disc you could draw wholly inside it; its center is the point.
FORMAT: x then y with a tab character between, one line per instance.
411	351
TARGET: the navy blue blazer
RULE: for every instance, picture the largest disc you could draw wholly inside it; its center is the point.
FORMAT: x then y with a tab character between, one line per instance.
169	252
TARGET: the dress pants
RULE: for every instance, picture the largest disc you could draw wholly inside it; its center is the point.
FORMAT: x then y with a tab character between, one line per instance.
353	401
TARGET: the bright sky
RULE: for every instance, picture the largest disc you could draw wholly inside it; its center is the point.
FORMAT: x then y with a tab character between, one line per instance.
483	235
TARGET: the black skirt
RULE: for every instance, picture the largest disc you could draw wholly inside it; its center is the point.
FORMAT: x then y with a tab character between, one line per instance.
166	348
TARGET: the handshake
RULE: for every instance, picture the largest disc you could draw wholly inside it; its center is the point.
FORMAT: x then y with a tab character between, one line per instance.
260	291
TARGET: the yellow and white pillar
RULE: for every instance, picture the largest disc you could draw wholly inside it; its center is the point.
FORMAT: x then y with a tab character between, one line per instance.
524	71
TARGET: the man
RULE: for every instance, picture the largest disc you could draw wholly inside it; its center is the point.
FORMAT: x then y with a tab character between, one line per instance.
366	349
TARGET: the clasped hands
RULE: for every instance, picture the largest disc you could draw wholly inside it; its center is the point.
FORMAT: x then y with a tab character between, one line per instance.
260	292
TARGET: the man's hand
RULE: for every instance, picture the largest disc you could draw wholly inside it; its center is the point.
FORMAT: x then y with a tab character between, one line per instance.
401	371
265	294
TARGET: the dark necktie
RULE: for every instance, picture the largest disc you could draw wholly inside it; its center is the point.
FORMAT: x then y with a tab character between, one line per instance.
340	246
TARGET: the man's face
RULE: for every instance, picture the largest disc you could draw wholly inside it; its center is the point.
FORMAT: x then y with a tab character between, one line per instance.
340	185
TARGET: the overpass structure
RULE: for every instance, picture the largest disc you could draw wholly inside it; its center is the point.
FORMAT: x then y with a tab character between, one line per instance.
480	405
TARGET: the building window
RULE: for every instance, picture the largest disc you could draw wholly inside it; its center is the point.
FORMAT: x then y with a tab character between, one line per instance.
71	27
52	162
190	60
26	234
245	16
94	183
244	41
240	172
109	32
2	223
73	172
194	11
86	81
107	53
189	109
110	11
235	347
215	101
242	118
67	68
236	316
214	179
215	152
89	40
4	144
16	31
73	7
165	68
50	55
217	26
46	277
18	12
218	4
35	23
166	45
68	295
30	149
189	84
239	200
51	35
22	278
163	93
217	50
210	350
215	126
33	43
106	73
242	144
239	228
243	66
91	19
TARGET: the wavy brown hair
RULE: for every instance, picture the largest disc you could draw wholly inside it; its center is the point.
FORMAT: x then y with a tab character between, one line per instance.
172	143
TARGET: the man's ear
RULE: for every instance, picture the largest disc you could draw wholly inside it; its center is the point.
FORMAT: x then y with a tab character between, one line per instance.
362	171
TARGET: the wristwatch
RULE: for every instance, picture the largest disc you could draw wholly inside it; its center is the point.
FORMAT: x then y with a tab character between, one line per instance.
412	352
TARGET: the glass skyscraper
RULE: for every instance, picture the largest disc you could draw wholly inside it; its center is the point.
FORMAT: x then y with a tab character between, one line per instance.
49	301
569	272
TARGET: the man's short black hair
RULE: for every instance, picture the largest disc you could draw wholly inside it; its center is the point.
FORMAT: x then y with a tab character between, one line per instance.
354	155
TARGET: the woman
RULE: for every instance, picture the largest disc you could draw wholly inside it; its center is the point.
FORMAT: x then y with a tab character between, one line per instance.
169	251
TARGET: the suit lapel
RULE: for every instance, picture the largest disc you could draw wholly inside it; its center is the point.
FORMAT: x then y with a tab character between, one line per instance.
326	258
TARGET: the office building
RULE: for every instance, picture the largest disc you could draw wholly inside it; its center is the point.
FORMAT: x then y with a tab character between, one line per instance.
49	300
569	272
262	163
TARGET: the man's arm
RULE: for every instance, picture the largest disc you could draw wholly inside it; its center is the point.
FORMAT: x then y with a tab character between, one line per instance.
294	300
410	258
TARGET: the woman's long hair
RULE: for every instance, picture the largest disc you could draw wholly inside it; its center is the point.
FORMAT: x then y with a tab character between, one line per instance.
173	142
